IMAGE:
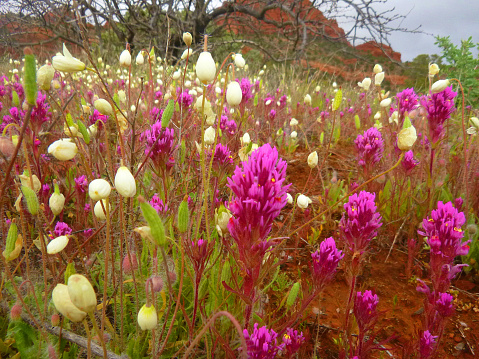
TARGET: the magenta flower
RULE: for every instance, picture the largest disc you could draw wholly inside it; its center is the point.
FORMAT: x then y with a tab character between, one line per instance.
62	229
97	116
370	148
259	194
81	184
40	113
184	99
246	87
445	305
262	343
325	261
292	341
444	232
160	144
365	309
427	344
360	221
407	101
222	157
439	108
408	162
157	203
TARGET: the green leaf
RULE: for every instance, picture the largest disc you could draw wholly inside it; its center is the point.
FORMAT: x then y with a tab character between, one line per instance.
83	130
30	79
154	222
168	113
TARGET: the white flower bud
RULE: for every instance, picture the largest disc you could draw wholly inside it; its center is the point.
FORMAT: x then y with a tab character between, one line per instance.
147	317
81	293
303	201
57	244
365	84
386	102
99	189
103	106
25	181
433	69
45	76
377	69
66	62
92	130
378	78
56	203
313	159
125	58
239	61
307	99
63	150
206	67
176	75
406	138
186	53
209	136
234	94
187	38
125	182
98	209
289	198
377	116
140	60
246	138
61	300
293	122
439	86
122	95
294	134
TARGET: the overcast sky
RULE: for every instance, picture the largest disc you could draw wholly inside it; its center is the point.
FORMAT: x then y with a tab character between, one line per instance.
457	18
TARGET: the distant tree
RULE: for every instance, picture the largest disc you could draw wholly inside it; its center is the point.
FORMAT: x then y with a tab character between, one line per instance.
281	29
460	63
417	71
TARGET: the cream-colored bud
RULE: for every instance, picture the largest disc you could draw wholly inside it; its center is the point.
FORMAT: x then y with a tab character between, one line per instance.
186	53
307	99
377	116
98	209
206	67
303	201
99	189
92	130
234	94
221	220
125	58
82	293
63	150
25	181
66	62
289	198
313	159
365	84
125	183
406	138
210	135
122	95
439	86
246	138
293	122
379	78
57	244
56	203
239	61
386	102
140	59
147	317
63	303
187	38
45	76
294	134
377	69
103	106
433	69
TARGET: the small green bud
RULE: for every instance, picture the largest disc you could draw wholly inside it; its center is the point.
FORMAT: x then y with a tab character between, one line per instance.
154	222
32	200
15	99
321	138
337	100
30	79
183	215
407	123
11	239
83	130
168	113
293	295
357	122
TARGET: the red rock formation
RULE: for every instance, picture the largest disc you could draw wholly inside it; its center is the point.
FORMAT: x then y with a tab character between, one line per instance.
375	49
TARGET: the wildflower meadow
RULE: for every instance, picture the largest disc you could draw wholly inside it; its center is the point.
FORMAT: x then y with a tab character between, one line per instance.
206	208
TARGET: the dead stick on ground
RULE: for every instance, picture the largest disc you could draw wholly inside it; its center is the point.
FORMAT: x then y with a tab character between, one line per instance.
396	237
